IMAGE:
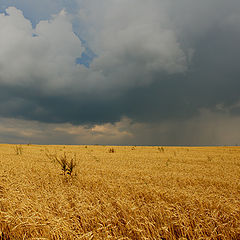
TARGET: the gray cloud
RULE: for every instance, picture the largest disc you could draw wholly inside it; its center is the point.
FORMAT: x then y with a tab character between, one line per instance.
127	54
207	128
157	62
42	60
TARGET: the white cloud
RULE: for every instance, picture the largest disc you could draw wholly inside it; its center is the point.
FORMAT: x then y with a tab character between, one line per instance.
132	40
46	53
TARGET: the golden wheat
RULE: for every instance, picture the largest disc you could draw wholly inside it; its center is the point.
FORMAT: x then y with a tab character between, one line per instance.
130	193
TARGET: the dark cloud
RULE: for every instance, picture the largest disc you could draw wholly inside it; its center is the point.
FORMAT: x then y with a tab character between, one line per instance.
160	66
212	79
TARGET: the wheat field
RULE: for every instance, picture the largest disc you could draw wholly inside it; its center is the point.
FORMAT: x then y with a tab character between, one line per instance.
120	193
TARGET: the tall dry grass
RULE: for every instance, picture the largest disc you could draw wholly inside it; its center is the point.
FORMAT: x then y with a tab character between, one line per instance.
171	193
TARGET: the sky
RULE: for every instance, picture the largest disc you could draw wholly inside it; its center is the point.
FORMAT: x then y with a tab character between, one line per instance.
120	72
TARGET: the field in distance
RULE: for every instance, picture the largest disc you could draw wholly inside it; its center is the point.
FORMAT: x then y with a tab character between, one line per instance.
119	192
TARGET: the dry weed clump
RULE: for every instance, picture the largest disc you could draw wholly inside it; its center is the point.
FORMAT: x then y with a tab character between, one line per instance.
161	149
111	150
18	149
67	165
128	195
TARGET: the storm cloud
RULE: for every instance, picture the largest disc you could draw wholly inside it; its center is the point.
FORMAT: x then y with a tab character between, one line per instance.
146	71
